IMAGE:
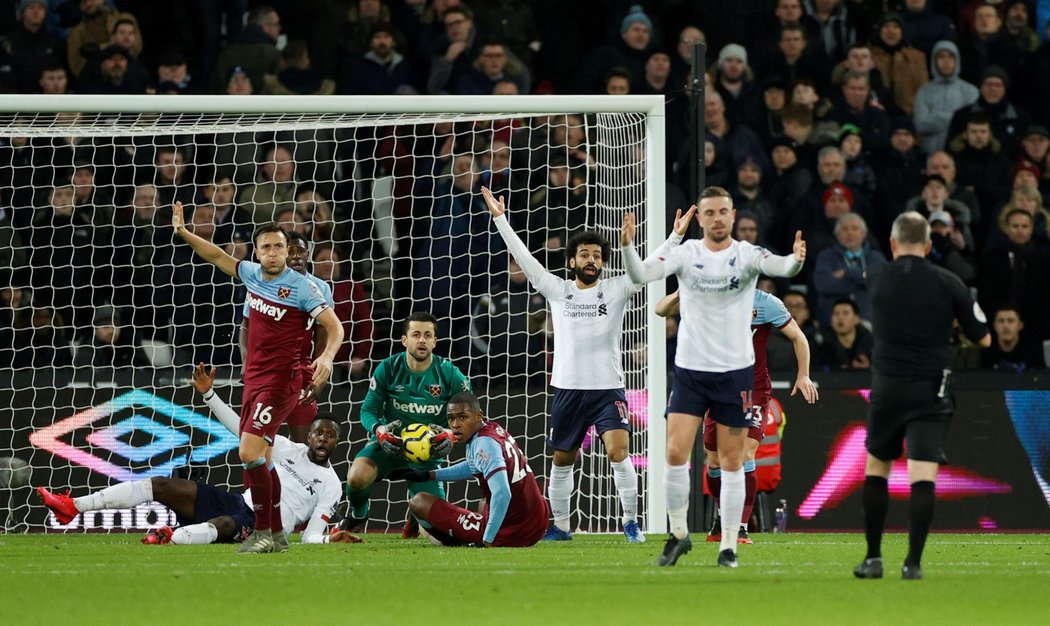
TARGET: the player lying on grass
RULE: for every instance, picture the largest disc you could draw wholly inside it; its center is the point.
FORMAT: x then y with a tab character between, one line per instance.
515	513
208	514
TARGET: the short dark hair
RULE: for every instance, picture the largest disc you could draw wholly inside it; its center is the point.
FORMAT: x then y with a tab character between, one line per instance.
123	20
418	316
270	227
467	398
588	237
794	26
294	236
978	118
849	302
327	417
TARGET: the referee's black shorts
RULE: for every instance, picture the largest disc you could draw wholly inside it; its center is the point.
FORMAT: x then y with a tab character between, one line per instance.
907	409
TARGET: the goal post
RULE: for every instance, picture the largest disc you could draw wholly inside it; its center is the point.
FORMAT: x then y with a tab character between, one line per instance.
374	179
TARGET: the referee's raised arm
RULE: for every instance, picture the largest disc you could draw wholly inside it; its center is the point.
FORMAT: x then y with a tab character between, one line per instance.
207	250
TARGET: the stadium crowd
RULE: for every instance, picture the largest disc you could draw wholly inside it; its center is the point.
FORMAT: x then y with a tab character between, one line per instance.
829	116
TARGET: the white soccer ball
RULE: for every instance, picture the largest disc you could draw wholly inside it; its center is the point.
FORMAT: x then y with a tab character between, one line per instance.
14	472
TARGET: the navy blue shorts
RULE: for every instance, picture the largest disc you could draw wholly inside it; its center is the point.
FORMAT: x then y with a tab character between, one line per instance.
576	410
727	395
213	502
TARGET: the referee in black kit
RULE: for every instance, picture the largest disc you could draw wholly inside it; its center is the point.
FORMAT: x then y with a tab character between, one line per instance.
913	304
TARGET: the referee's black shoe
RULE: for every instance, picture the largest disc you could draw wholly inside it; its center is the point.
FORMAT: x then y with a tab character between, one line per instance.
911	572
869	568
673	549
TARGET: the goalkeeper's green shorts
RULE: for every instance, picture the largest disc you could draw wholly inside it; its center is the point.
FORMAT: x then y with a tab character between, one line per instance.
384	463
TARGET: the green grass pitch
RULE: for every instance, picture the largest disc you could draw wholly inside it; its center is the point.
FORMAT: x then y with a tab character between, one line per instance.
597	579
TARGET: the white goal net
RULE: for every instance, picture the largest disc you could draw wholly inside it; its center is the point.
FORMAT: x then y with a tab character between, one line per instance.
104	312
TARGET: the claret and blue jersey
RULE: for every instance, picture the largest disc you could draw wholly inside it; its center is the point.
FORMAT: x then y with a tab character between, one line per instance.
282	309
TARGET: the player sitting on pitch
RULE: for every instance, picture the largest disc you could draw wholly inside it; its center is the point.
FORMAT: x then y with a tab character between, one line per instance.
515	513
209	514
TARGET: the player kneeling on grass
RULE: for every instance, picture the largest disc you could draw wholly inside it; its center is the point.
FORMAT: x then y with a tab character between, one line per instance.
515	513
207	514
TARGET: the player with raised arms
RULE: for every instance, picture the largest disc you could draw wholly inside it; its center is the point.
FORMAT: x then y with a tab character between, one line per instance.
768	313
410	387
514	515
284	303
587	377
715	357
208	514
314	340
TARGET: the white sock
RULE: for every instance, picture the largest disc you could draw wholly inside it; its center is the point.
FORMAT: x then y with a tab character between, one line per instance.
732	507
559	492
676	492
119	496
626	481
195	534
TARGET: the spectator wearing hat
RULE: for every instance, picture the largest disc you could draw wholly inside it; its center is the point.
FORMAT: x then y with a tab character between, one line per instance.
948	249
924	27
1008	121
380	71
981	163
1035	147
31	47
899	168
297	76
1025	174
794	58
832	26
1016	27
934	198
115	72
238	83
937	100
630	51
840	270
255	52
811	208
859	172
764	116
854	106
789	183
111	345
734	80
836	201
748	192
903	67
989	44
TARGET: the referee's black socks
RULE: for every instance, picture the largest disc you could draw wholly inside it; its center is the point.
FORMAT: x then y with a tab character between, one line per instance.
876	497
922	501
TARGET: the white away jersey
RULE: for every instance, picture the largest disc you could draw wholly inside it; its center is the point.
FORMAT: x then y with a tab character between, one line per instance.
717	291
588	323
309	492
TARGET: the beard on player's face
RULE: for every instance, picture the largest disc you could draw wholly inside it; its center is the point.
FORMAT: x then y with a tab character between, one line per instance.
587	274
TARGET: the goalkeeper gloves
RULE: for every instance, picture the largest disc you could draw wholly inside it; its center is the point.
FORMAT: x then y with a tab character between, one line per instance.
390	442
411	475
441	442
